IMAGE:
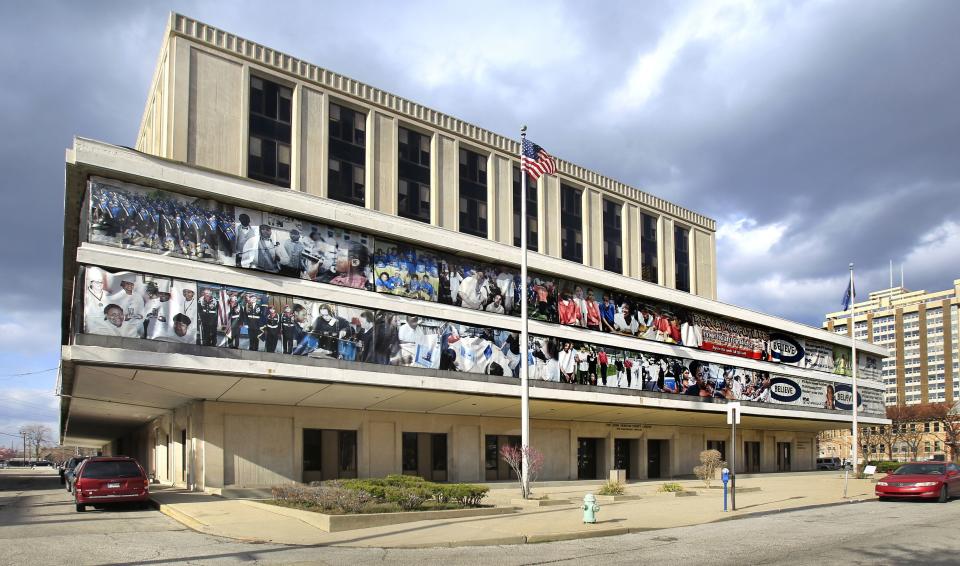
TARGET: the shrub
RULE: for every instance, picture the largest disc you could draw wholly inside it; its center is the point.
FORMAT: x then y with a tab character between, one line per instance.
710	462
670	487
611	488
408	498
464	494
886	466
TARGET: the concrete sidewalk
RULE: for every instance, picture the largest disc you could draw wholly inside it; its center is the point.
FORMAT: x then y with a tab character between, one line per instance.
252	521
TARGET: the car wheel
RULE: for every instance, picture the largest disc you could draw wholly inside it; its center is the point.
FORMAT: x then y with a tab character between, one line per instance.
81	507
882	498
944	497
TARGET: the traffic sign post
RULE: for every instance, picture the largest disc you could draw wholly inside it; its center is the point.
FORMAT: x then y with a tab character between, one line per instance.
733	419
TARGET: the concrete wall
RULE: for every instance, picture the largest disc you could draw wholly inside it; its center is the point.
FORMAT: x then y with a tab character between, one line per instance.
238	444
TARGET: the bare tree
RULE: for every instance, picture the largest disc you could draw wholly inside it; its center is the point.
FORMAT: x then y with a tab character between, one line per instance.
514	455
710	462
38	436
948	417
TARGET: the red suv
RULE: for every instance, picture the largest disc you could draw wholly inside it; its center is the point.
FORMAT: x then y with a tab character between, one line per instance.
105	480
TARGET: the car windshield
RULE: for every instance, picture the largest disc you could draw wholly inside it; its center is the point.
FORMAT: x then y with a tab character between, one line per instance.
919	470
104	470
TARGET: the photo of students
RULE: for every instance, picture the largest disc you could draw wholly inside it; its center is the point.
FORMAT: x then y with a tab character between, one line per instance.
170	312
542	358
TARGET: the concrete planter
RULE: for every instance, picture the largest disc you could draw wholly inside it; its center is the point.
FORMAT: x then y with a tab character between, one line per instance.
520	502
614	498
339	523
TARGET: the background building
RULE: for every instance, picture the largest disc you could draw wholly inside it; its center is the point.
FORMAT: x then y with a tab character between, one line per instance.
296	276
920	329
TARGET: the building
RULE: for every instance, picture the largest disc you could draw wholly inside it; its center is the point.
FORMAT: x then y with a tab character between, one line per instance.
296	276
920	329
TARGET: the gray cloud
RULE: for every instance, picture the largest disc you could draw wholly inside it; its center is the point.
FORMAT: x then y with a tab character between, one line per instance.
834	125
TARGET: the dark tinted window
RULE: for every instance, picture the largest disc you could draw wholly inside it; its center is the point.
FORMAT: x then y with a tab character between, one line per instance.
107	470
920	469
571	223
413	168
347	155
612	234
473	193
270	132
532	243
648	249
681	240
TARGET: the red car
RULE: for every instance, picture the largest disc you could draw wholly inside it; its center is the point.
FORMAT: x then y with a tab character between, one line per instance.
105	480
929	480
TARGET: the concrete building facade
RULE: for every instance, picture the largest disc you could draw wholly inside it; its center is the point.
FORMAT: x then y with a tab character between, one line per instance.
295	276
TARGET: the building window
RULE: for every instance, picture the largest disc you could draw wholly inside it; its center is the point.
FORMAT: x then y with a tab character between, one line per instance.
532	240
571	223
270	131
312	449
473	193
681	257
720	446
347	155
612	236
648	249
413	168
410	453
438	452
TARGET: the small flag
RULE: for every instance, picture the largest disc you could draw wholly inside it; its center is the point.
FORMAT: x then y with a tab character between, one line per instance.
846	297
535	160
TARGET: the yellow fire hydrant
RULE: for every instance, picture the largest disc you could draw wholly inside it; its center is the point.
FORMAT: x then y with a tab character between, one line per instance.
590	508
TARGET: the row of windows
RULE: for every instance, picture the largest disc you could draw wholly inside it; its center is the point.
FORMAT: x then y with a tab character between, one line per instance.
269	161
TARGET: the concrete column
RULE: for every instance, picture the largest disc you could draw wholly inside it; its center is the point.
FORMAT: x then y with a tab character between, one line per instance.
592	228
631	241
665	257
500	210
382	191
312	149
445	188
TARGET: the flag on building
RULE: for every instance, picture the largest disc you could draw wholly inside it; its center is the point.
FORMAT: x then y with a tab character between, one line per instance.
535	160
847	299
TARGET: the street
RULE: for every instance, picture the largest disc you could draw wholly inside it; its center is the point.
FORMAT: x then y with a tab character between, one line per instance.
38	525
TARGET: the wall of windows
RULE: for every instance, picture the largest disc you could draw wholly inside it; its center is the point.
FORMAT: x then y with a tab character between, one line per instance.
571	223
413	168
681	257
346	179
612	236
649	266
270	132
532	216
473	193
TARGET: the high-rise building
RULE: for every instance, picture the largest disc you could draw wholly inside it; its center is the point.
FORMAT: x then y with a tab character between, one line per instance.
920	330
296	276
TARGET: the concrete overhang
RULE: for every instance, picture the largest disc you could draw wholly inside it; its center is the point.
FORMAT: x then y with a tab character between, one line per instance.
110	391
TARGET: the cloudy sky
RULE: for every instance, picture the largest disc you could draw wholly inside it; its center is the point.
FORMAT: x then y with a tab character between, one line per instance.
816	133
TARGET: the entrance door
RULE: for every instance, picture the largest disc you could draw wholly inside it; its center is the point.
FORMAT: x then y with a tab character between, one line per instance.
621	455
425	455
783	456
751	457
329	454
587	459
654	449
495	466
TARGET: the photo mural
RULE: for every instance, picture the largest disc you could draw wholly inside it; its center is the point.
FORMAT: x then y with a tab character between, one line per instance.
163	222
136	305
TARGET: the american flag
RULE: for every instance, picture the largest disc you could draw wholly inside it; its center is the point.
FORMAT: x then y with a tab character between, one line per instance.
535	160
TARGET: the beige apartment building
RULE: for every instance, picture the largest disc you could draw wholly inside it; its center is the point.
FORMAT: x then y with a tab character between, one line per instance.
920	330
295	276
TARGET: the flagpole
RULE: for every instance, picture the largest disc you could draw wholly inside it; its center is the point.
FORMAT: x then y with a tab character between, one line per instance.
524	341
853	362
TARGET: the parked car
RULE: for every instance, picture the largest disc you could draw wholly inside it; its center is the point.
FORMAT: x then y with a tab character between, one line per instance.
104	480
69	470
928	480
828	463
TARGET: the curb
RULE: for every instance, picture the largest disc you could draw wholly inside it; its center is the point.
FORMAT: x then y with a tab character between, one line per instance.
791	509
180	517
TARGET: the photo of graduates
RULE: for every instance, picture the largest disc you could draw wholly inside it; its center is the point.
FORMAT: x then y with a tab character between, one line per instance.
406	271
158	221
113	303
257	243
170	310
542	298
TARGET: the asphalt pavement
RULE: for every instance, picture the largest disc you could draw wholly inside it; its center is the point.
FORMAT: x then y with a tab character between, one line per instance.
38	525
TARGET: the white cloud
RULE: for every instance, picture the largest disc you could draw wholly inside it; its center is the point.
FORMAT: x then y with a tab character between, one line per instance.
746	237
29	333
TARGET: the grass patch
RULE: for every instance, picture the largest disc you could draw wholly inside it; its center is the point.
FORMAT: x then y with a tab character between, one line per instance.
670	487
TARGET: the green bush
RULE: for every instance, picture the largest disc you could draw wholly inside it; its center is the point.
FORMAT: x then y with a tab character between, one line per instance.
408	493
671	487
611	488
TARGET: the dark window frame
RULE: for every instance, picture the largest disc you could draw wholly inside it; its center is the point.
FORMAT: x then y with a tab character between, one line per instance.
612	236
533	222
414	172
571	223
269	130
346	153
649	248
681	268
474	206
